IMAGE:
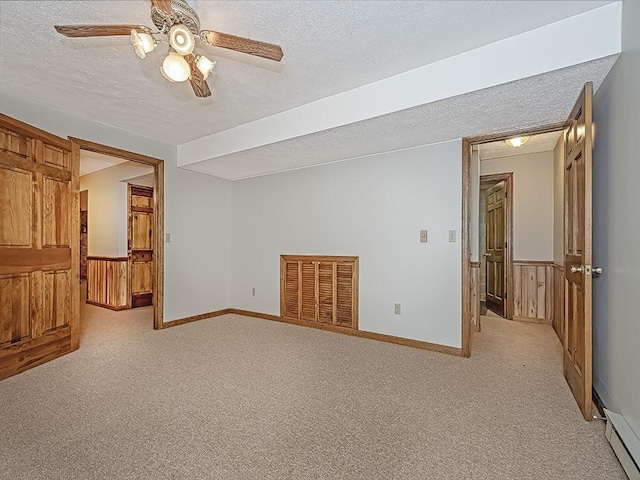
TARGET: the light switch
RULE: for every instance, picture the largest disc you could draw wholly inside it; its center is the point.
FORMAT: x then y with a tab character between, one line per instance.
167	238
452	236
423	236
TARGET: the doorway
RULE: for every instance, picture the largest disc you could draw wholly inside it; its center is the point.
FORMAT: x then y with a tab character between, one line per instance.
132	278
575	263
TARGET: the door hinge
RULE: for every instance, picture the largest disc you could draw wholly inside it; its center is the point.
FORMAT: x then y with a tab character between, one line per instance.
505	295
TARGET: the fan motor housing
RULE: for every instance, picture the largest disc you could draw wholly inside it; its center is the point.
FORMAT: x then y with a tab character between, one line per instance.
182	13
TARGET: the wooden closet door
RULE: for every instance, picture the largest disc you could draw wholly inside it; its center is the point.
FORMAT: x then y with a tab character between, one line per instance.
346	295
39	248
326	292
141	245
290	289
320	289
308	287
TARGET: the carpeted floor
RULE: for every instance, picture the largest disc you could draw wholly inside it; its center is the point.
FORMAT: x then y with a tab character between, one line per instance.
240	398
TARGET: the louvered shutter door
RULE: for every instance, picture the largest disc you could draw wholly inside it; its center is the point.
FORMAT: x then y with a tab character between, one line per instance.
322	289
308	307
325	292
291	290
344	294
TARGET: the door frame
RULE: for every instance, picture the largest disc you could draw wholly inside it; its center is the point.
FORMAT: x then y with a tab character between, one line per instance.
467	147
507	178
78	144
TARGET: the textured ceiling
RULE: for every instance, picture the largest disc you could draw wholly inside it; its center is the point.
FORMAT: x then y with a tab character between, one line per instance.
545	142
92	162
329	47
539	100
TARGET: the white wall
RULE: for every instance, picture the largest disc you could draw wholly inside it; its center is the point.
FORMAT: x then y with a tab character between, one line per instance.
197	259
532	202
616	228
374	208
108	209
558	201
199	230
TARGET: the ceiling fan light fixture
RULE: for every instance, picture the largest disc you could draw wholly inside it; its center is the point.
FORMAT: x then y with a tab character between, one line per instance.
175	68
204	65
181	39
143	43
516	142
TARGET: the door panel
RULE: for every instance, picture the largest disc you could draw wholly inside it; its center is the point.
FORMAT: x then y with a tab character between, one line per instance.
55	216
308	304
141	231
141	237
37	276
495	248
345	294
291	301
325	292
577	365
14	308
15	229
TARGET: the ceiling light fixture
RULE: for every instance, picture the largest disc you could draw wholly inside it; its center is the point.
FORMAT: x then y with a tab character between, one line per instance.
175	68
204	65
516	142
181	39
143	43
178	25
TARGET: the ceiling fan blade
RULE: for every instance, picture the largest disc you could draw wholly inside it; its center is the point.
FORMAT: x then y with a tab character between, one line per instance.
164	7
99	30
198	83
241	44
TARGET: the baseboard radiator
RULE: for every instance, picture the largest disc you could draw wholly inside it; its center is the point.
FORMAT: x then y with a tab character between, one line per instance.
624	442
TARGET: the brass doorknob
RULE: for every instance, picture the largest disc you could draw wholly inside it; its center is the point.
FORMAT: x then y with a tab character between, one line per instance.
575	269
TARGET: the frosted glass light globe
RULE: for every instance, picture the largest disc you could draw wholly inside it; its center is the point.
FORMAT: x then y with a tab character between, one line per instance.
175	68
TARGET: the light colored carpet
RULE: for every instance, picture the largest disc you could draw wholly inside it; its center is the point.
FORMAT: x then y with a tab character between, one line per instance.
240	398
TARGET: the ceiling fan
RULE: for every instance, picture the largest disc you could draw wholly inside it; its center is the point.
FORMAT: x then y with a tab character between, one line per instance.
176	20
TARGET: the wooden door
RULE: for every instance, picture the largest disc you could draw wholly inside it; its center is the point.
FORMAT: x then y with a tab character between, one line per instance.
346	294
290	288
326	292
495	247
309	290
39	247
577	249
141	245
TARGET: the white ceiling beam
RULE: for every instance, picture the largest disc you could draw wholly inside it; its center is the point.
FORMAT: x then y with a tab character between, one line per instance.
572	41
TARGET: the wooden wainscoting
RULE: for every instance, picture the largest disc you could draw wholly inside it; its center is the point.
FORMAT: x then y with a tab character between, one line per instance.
533	290
475	296
558	301
107	282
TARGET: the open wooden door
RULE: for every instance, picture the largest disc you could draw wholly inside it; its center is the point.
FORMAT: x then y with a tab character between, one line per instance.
577	248
141	241
495	247
39	247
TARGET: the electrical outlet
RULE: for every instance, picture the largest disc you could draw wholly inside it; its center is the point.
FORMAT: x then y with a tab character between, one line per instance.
253	291
423	236
396	308
452	236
